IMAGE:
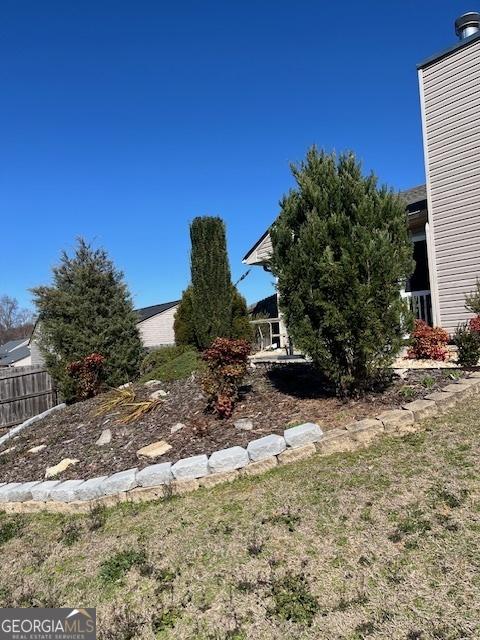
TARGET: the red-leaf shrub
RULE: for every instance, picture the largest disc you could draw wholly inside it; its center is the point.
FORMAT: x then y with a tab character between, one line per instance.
474	324
87	375
226	361
429	343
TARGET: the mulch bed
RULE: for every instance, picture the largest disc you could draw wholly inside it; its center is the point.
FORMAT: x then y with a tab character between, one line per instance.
273	397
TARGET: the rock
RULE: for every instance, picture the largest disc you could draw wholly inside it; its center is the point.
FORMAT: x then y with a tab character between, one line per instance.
218	478
443	400
105	438
228	460
65	491
302	434
154	450
475	374
422	408
396	420
299	453
51	472
177	427
125	386
257	468
244	424
38	448
181	487
90	489
118	482
365	431
191	468
265	447
17	491
6	451
152	383
157	395
146	494
335	441
41	491
6	488
462	390
155	474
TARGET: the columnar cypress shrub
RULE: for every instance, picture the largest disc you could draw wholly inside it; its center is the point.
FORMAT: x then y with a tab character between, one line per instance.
86	310
341	253
211	306
211	284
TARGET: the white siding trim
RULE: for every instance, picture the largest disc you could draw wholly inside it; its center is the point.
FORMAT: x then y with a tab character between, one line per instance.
157	331
429	231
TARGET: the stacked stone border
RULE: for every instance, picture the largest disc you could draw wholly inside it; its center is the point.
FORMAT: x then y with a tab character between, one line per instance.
167	479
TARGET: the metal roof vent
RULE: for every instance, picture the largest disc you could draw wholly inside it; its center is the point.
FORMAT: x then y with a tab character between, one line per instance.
467	25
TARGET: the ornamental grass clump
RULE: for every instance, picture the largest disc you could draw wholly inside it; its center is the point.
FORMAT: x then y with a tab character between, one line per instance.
226	360
428	343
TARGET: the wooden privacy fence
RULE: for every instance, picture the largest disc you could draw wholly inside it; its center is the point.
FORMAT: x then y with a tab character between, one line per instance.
24	393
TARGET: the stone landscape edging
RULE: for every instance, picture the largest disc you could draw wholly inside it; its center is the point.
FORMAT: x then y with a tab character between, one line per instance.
14	430
166	479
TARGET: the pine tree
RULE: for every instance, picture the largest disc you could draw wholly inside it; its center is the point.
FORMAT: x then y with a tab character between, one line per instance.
211	306
341	252
86	310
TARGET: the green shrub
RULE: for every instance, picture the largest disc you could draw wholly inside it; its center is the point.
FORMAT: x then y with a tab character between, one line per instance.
468	344
341	253
173	367
158	357
472	301
87	309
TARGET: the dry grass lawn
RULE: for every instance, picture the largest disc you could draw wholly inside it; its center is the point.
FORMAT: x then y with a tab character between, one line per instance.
382	543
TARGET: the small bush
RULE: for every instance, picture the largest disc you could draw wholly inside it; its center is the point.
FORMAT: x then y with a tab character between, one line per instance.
474	324
158	357
170	367
472	301
87	375
428	343
226	361
467	341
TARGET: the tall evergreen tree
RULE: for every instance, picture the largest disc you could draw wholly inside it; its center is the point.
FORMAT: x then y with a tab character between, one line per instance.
211	284
211	306
88	309
341	252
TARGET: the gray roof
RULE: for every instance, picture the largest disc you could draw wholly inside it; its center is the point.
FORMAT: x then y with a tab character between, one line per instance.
266	308
15	355
10	345
415	195
148	312
458	45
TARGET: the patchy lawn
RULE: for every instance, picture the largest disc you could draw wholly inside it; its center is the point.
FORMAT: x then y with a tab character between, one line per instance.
272	398
381	543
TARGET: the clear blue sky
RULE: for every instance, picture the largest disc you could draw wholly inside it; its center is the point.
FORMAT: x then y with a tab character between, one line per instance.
122	120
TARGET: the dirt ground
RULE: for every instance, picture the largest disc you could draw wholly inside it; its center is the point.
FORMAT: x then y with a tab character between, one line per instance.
378	544
273	398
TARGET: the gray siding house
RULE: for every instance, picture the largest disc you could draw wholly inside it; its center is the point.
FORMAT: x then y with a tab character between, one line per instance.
443	216
450	103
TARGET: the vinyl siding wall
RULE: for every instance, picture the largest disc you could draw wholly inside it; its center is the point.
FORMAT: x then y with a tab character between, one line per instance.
450	90
158	330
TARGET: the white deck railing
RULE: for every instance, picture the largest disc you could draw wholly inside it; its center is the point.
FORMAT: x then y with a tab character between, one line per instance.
420	304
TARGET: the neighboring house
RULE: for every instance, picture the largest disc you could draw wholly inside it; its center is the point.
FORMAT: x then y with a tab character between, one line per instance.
15	353
155	324
443	216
